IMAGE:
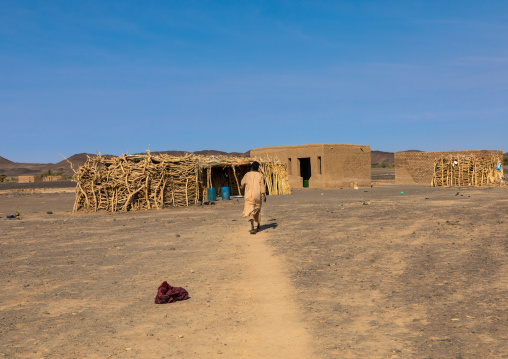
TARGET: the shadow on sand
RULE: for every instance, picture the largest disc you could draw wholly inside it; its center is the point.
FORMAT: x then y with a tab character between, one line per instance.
269	226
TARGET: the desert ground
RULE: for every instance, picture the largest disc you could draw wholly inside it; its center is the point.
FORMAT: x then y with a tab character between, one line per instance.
381	272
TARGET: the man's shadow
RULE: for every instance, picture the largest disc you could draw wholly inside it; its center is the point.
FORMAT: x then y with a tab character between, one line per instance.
269	226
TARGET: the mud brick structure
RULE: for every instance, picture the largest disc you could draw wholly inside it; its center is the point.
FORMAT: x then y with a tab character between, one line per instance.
418	167
322	165
29	179
53	178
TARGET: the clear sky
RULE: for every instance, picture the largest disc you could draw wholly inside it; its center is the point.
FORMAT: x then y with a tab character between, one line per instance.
118	76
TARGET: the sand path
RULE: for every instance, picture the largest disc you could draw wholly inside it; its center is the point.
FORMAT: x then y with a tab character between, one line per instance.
274	325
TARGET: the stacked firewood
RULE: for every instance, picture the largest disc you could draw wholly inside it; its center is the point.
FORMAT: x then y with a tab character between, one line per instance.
275	175
134	182
145	181
467	171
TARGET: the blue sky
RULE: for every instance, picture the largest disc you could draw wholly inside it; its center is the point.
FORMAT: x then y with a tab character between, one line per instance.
118	76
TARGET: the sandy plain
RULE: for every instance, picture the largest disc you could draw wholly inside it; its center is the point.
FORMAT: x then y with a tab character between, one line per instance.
382	272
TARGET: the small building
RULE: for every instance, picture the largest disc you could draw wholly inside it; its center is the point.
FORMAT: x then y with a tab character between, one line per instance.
53	178
29	179
416	167
322	165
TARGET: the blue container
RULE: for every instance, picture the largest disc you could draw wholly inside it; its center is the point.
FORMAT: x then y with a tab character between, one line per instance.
224	192
211	194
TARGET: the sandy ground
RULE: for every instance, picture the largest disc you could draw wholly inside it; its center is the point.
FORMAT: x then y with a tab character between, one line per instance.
368	273
37	186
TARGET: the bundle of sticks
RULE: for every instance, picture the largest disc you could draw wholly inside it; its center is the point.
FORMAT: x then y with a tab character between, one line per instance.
134	182
467	171
275	175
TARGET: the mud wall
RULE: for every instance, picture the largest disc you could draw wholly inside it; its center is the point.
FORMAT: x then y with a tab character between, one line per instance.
331	165
29	179
418	167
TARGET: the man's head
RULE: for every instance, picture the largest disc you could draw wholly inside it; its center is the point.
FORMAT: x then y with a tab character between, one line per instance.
254	166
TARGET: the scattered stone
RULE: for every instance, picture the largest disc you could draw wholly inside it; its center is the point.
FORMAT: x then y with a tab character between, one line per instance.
177	236
49	212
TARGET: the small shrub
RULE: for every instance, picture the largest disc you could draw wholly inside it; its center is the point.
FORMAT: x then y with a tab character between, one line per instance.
49	173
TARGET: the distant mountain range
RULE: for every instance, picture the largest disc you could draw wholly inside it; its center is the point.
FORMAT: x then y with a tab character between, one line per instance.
13	169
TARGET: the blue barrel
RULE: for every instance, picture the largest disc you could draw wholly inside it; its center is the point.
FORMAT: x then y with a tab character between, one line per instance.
211	194
224	192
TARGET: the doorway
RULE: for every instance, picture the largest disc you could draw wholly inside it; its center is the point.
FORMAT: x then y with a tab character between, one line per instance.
305	171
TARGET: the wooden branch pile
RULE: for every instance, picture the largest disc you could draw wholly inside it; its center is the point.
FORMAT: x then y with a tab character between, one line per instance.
467	171
145	181
134	182
275	175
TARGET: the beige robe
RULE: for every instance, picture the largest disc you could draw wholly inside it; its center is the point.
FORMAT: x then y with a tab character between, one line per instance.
254	189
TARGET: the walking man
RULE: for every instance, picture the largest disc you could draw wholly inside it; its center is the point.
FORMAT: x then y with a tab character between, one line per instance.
254	186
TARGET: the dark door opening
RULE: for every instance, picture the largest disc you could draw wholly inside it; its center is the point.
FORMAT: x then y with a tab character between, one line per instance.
305	172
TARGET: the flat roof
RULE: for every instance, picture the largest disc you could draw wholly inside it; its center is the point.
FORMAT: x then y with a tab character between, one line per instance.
309	145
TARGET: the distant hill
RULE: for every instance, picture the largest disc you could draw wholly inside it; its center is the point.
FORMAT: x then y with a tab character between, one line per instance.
382	157
204	153
15	169
220	153
4	161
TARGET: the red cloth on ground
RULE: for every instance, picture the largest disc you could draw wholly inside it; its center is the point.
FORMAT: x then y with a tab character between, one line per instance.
169	294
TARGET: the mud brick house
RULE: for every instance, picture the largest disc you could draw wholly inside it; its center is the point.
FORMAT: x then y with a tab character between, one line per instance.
29	179
418	167
322	165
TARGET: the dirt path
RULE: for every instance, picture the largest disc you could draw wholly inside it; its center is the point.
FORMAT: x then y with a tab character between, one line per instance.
266	295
